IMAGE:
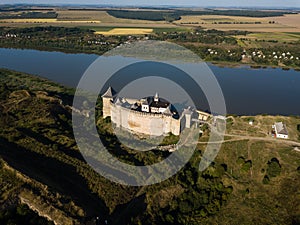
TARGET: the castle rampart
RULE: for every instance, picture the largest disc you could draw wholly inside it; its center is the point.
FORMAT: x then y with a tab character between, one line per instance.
130	115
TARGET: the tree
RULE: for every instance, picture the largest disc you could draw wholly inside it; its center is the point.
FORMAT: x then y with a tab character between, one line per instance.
274	168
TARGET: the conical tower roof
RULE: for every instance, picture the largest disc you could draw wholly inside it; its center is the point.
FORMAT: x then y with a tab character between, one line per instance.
110	93
118	102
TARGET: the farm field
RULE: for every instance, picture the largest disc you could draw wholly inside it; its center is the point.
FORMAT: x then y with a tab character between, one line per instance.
278	36
288	20
287	23
218	18
97	19
55	21
265	39
103	16
126	31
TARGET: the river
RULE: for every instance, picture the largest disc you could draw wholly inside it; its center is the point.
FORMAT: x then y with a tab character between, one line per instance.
246	91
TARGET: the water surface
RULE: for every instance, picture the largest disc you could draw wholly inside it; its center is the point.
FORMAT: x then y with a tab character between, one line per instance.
247	91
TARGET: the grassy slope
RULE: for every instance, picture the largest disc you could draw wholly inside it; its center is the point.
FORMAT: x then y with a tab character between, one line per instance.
252	201
36	139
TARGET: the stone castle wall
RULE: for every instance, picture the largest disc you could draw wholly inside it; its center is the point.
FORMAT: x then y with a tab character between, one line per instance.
140	122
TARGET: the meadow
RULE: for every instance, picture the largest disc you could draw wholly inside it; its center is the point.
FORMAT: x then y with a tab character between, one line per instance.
265	39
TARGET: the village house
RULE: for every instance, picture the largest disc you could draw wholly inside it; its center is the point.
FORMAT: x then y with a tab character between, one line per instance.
280	130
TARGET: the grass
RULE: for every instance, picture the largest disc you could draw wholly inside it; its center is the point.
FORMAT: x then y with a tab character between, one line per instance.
254	200
241	43
262	126
172	29
277	36
66	184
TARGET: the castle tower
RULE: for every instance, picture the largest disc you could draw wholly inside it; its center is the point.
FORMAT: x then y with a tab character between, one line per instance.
107	99
116	112
186	118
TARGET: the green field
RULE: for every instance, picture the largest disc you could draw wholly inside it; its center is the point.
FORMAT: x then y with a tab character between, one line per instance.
275	36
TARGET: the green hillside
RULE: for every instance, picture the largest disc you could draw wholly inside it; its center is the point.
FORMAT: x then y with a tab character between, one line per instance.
44	177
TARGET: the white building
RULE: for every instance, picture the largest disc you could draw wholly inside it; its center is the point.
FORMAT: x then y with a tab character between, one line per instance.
281	130
154	104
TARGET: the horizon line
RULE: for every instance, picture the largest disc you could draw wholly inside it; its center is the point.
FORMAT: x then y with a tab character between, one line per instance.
151	6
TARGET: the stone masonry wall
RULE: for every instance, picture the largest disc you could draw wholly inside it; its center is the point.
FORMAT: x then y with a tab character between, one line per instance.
140	122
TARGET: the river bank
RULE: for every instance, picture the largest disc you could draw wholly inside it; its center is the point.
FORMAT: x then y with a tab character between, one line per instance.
68	50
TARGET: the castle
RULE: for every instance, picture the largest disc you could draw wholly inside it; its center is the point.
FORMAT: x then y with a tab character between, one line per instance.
152	115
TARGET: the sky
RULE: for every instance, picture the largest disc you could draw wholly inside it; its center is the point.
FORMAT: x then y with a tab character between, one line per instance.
200	3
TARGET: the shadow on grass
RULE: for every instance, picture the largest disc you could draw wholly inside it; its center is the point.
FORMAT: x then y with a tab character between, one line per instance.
60	177
46	141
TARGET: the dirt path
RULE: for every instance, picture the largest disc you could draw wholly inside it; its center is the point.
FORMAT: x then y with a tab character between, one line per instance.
247	137
283	141
296	149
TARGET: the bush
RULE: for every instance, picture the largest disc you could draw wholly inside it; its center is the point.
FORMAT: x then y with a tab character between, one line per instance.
240	160
274	168
266	179
169	219
247	165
